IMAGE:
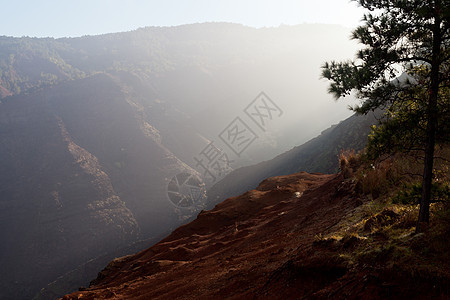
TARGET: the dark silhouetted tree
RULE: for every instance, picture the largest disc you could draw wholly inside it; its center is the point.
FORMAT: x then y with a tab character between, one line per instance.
408	38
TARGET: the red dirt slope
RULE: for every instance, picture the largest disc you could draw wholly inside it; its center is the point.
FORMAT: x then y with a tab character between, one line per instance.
259	245
233	249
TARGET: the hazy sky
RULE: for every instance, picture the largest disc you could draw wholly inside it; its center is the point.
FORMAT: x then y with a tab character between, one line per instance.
58	18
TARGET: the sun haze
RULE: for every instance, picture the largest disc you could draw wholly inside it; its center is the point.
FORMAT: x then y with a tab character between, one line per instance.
55	18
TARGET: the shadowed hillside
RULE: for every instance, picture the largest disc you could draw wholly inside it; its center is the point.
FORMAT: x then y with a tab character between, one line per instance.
79	179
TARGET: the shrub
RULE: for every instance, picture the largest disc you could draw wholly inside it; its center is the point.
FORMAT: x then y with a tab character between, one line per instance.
412	193
349	162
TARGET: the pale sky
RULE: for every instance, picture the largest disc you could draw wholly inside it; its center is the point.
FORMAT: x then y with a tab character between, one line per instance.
59	18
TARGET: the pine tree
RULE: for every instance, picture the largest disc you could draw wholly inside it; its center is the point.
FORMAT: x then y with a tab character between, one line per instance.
409	37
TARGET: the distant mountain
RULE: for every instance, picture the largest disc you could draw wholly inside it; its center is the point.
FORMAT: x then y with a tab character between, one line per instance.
317	155
205	73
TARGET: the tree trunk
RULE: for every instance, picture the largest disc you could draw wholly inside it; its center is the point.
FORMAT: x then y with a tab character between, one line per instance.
430	140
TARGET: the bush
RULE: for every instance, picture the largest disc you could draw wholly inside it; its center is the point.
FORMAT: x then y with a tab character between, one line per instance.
412	193
349	162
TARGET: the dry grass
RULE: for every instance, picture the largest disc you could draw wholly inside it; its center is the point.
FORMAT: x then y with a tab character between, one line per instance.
381	232
349	161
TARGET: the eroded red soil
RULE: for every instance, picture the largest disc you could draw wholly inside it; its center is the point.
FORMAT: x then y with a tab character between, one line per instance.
255	246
